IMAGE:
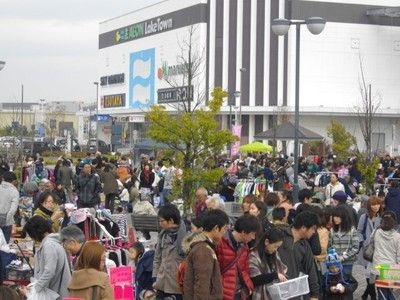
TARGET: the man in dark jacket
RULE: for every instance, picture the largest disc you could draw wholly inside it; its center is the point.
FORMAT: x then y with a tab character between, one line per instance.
392	199
88	187
296	253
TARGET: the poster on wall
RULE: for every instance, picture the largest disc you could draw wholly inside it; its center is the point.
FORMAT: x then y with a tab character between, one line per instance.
141	79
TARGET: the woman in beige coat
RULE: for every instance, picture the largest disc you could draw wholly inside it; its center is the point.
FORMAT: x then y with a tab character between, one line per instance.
88	281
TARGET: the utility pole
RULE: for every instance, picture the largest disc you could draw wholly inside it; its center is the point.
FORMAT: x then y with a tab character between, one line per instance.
96	83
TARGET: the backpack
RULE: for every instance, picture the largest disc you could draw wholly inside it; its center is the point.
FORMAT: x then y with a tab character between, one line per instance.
324	180
181	273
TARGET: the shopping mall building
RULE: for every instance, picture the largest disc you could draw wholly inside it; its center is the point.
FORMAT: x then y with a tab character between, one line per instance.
140	64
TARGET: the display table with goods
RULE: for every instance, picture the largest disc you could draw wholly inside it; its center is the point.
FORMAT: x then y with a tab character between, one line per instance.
389	278
18	269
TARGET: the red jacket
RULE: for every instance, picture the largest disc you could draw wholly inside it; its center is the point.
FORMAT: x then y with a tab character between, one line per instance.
226	253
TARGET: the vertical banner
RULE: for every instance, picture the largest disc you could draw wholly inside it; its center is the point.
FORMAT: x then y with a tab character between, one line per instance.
237	131
121	279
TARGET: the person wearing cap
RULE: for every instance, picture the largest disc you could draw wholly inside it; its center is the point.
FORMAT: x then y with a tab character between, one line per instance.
339	198
9	199
333	186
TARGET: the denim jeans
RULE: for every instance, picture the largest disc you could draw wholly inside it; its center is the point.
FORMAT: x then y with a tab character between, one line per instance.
164	196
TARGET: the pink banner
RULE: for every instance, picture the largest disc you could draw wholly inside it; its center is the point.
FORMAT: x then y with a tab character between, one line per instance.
236	130
122	279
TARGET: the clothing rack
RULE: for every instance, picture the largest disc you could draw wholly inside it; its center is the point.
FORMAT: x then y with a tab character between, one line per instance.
245	187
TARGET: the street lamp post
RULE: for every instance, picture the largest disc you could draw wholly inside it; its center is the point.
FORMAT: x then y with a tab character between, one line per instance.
232	102
280	27
97	114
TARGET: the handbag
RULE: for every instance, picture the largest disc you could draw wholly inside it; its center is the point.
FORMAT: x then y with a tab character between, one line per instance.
368	252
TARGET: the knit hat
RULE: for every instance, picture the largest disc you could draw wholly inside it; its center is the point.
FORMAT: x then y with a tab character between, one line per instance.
340	196
332	259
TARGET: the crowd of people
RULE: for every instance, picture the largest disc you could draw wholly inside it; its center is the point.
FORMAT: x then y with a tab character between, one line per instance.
210	253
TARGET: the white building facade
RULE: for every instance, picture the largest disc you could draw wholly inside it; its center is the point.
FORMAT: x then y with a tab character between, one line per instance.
242	54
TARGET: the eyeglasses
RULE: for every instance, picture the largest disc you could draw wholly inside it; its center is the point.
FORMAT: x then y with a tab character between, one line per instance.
66	242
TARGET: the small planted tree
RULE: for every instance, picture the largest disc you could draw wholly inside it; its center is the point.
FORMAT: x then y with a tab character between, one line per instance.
194	136
342	140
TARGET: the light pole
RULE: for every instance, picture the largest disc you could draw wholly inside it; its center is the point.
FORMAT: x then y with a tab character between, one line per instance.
232	102
96	83
242	71
280	27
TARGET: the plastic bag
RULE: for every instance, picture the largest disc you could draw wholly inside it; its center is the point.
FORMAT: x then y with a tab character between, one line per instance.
44	294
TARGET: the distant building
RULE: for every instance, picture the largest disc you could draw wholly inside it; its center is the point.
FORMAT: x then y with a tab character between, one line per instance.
139	50
43	119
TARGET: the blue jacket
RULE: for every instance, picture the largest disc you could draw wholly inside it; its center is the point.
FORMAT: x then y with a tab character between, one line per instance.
143	276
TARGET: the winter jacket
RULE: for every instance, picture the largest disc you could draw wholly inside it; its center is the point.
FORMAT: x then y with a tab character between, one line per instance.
9	198
226	253
88	188
146	182
202	279
346	244
387	248
167	257
364	235
323	235
46	214
51	266
85	282
392	201
110	183
66	176
263	274
143	273
298	257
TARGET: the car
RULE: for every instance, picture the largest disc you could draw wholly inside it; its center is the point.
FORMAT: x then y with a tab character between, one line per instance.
33	147
102	146
62	143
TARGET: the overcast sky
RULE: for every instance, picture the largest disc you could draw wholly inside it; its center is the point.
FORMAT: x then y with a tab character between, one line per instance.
51	47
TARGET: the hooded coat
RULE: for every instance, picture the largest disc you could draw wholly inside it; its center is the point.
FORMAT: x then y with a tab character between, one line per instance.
167	257
387	248
86	283
202	279
51	266
9	198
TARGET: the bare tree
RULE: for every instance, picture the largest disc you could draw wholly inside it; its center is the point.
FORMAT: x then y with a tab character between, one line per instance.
192	64
366	110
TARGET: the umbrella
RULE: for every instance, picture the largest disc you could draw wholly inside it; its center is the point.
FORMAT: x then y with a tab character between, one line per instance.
255	147
285	131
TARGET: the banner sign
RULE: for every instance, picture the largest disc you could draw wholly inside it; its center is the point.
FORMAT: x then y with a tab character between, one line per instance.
236	130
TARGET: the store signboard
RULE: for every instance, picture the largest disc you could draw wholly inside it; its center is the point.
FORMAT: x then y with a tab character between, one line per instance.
175	94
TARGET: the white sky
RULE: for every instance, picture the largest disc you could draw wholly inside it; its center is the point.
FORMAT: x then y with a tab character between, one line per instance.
51	47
